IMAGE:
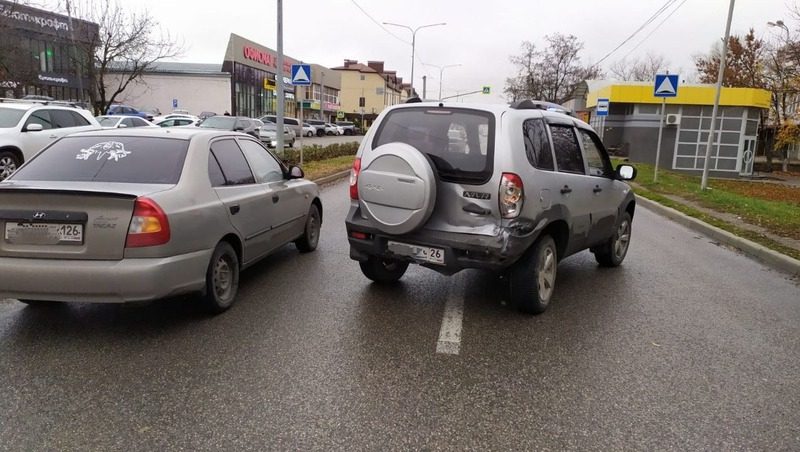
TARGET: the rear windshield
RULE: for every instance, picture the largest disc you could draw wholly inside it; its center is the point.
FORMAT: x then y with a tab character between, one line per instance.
219	122
105	121
142	160
459	141
9	117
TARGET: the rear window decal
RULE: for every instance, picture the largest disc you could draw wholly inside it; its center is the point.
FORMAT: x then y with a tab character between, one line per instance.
112	150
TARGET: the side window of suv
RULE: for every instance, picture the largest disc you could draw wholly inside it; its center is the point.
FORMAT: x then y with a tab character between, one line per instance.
62	119
537	145
596	159
79	120
568	152
40	117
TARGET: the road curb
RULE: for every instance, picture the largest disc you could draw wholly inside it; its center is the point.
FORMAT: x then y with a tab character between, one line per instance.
332	178
761	253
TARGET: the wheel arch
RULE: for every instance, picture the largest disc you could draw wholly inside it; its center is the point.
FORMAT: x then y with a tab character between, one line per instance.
318	203
234	241
559	231
14	150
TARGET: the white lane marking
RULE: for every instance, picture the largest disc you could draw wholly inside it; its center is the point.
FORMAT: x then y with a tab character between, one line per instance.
450	334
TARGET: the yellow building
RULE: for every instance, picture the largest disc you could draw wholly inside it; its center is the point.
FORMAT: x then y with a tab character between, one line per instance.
368	88
634	114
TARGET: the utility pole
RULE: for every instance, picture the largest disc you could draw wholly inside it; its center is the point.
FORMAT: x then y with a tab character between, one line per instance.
424	87
660	131
414	44
279	81
711	130
77	61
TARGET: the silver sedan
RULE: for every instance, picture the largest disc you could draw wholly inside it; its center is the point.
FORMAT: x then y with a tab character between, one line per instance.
128	215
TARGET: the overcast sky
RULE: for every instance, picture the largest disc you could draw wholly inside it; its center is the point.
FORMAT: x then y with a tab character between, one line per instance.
479	35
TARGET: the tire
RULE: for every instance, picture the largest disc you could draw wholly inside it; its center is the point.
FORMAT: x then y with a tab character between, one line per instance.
222	279
9	163
383	271
613	252
533	277
308	242
310	134
291	144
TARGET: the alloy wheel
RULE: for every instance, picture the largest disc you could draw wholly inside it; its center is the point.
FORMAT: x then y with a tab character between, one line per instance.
547	273
223	278
7	167
623	239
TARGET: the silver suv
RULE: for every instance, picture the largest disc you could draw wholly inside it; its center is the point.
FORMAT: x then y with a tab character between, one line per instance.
28	126
513	189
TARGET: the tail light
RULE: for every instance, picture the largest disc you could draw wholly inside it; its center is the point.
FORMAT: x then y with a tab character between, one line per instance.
149	225
354	178
512	195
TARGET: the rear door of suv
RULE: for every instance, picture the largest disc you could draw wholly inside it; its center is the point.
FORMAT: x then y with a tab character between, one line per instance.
458	144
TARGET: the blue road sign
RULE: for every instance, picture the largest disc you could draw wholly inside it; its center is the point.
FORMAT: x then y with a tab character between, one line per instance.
602	107
174	103
666	85
301	74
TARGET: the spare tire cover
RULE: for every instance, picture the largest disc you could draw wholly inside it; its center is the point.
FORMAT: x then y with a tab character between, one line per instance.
397	188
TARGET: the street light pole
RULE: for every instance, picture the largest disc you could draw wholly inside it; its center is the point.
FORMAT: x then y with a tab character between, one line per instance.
414	43
711	131
279	82
441	74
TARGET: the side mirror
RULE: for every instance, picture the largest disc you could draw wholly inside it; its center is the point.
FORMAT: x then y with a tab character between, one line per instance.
34	127
295	172
122	126
626	172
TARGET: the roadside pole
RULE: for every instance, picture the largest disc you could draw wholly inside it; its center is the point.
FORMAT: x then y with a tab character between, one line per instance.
302	133
279	81
711	131
660	130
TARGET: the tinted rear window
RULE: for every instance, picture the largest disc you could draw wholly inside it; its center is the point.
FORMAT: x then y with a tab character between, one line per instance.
140	160
219	122
460	141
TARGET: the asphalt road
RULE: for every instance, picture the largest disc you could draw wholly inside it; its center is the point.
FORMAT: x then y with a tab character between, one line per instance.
687	346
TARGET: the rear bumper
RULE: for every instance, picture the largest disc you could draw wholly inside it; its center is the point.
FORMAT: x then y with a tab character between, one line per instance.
103	281
462	251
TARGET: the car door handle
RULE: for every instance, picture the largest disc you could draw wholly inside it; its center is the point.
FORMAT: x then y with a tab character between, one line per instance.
476	209
597	189
53	136
275	198
566	190
234	209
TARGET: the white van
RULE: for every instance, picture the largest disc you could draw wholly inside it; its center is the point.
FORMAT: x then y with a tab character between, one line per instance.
291	123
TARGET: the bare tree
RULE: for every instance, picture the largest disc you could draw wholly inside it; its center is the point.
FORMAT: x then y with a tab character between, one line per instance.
129	44
551	73
639	69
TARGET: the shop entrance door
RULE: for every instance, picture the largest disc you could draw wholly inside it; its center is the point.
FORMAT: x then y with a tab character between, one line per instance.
747	156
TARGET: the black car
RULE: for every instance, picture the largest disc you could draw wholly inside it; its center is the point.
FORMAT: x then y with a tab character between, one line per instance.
349	127
232	123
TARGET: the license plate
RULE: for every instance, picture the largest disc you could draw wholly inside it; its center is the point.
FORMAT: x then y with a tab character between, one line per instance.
419	253
43	233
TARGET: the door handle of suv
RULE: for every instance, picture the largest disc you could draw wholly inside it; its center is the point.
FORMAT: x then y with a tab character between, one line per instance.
53	136
597	189
234	209
476	209
566	190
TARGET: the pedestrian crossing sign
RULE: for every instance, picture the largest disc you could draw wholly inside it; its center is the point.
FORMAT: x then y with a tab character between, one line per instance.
666	85
301	74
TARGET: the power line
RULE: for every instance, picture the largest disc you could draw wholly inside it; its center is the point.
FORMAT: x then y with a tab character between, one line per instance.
650	20
378	23
655	29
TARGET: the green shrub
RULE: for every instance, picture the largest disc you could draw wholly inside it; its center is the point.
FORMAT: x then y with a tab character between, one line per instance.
291	156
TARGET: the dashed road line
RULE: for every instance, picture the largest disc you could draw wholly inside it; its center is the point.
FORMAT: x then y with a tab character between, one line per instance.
450	334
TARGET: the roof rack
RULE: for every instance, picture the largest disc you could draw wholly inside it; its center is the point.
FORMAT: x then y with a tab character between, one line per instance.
528	104
63	103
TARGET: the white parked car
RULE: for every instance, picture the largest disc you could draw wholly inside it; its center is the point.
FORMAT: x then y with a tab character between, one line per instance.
178	122
159	119
309	130
26	127
121	122
333	129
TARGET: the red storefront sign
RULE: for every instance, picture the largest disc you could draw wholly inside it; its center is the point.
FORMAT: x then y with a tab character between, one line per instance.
266	58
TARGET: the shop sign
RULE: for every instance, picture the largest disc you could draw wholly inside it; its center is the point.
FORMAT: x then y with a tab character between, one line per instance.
51	79
331	106
266	58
